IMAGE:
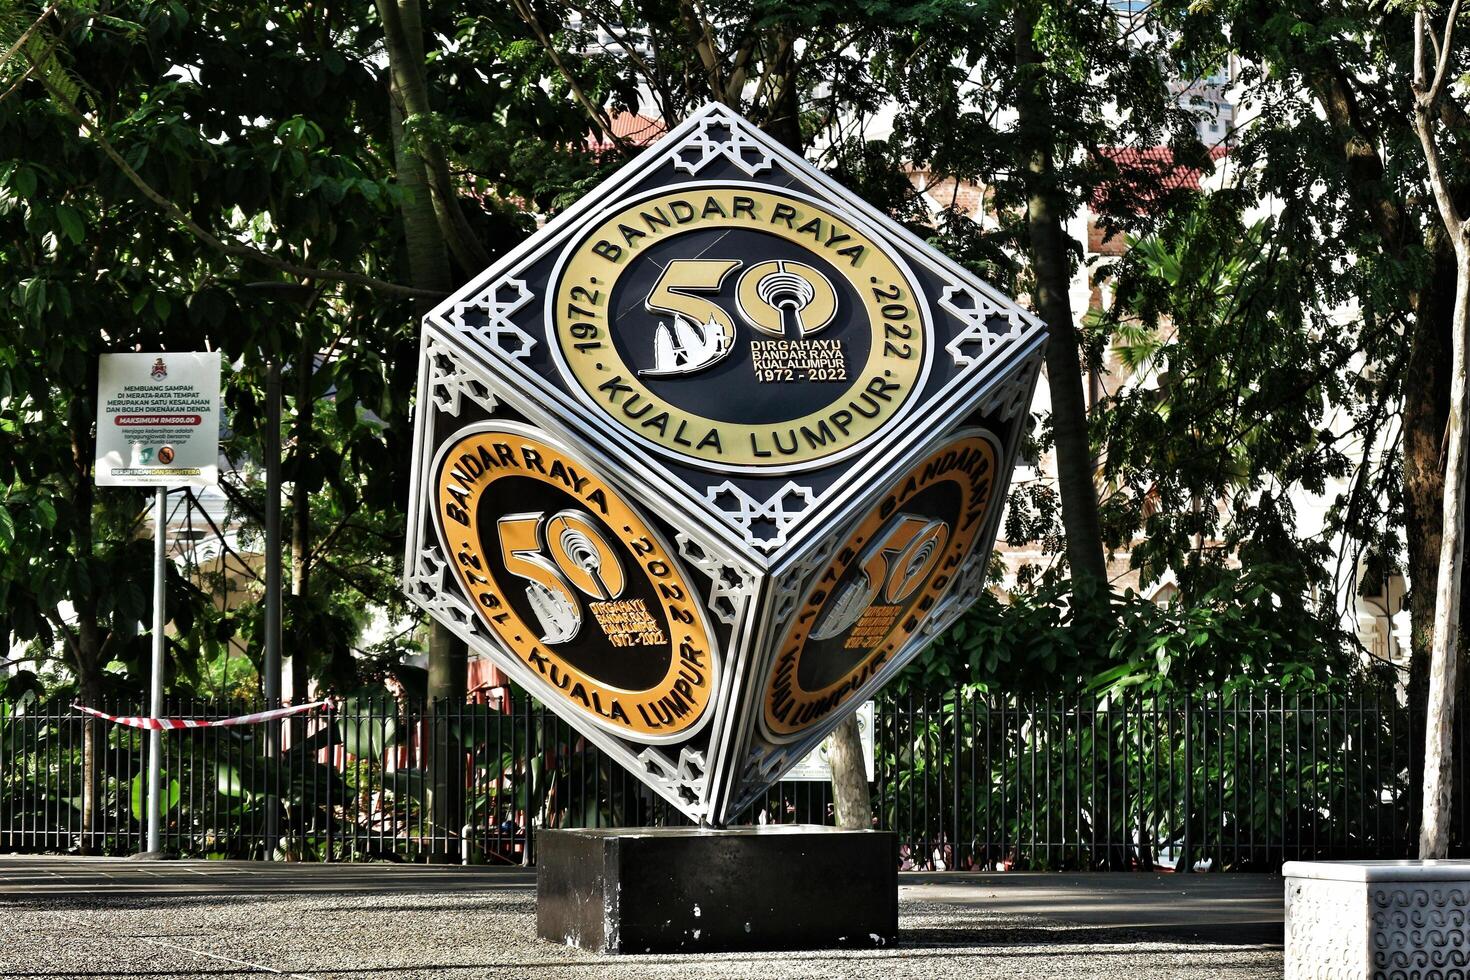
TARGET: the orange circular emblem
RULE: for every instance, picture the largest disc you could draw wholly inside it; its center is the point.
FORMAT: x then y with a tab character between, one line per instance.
573	582
881	585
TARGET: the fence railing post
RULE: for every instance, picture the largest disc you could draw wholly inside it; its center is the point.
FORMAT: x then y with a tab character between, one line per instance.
1182	864
528	830
331	775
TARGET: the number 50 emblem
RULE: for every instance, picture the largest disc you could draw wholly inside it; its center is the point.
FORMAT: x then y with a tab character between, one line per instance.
896	564
780	298
881	585
580	591
580	560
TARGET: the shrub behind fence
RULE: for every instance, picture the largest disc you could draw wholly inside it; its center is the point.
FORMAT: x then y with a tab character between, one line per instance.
968	781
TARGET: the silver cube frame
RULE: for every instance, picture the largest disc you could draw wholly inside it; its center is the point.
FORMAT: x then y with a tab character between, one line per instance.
479	365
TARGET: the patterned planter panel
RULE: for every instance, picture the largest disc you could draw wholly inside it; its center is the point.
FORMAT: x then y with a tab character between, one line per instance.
1398	920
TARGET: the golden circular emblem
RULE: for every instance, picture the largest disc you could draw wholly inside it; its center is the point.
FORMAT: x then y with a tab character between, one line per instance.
573	582
881	585
739	327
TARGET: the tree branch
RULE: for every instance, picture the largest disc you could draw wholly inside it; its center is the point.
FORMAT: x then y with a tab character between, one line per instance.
1438	180
704	45
739	70
655	83
31	69
1426	95
1334	91
1446	47
597	115
324	545
26	34
768	71
225	549
228	248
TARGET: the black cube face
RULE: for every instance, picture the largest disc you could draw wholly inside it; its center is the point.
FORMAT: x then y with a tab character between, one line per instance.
710	457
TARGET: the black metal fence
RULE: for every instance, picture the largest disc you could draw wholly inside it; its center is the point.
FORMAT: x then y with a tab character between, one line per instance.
1241	781
967	780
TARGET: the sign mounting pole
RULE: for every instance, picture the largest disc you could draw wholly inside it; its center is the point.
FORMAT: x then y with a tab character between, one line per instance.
158	426
155	700
272	659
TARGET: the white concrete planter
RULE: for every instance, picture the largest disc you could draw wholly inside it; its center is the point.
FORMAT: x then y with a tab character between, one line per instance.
1388	919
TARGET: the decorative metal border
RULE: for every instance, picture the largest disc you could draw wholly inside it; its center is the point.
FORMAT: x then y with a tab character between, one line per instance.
449	383
746	512
736	147
731	588
500	333
790	584
684	778
978	314
1005	400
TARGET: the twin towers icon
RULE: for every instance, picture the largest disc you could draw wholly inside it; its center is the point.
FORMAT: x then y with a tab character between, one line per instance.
780	298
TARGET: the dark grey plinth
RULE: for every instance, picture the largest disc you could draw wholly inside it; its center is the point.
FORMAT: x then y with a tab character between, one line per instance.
675	889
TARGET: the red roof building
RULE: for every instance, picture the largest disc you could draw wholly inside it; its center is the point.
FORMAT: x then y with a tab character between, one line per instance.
629	127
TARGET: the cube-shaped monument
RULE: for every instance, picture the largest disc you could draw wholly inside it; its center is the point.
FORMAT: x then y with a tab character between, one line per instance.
711	456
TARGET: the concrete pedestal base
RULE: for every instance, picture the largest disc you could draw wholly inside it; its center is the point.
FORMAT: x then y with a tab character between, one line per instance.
685	889
1349	919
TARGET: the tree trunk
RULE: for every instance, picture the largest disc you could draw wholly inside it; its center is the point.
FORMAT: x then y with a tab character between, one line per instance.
1426	394
850	799
1426	406
428	264
447	680
783	111
403	36
94	748
1429	88
301	627
1434	830
425	223
86	644
1053	277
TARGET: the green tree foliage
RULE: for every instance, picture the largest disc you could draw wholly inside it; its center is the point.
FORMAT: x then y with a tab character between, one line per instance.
1204	451
1333	151
221	150
161	160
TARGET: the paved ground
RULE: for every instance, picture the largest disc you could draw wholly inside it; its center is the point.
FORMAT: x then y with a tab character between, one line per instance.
71	917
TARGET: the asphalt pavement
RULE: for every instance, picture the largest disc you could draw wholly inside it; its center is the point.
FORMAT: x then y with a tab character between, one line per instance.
99	917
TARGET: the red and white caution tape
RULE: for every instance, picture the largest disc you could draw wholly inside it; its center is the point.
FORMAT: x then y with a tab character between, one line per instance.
168	724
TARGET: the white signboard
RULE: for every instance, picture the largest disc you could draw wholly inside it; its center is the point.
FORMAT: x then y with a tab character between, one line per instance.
158	420
815	765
